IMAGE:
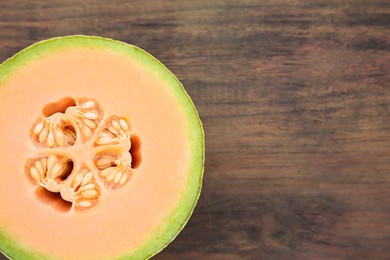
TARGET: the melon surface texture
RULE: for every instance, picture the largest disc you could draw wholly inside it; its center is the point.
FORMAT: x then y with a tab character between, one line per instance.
102	152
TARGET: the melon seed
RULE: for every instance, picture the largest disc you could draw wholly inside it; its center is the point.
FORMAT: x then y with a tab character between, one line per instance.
107	171
112	130
89	123
115	124
88	104
89	194
87	178
39	166
88	187
91	115
123	179
59	138
103	141
38	128
104	162
118	177
111	176
34	173
51	161
56	171
77	181
50	140
124	125
43	135
44	163
85	204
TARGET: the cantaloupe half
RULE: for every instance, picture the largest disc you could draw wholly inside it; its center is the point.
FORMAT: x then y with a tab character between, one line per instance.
102	152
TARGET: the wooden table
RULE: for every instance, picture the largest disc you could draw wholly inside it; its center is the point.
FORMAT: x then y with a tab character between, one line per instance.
295	102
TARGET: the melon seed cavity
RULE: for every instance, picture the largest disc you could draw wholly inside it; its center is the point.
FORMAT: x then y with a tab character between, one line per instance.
79	153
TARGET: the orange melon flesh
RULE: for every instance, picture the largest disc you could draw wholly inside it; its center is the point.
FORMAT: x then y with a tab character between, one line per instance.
146	214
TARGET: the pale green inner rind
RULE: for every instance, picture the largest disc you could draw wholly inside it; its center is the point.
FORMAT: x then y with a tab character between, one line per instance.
176	220
12	250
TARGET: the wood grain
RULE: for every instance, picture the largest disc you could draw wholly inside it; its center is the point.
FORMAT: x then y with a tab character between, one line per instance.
295	101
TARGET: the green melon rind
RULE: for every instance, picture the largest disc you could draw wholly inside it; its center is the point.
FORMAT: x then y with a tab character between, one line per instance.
177	219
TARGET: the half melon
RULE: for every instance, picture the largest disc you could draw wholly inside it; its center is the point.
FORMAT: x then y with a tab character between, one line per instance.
102	152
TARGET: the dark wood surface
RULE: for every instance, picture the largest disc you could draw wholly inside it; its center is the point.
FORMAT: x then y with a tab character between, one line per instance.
295	101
